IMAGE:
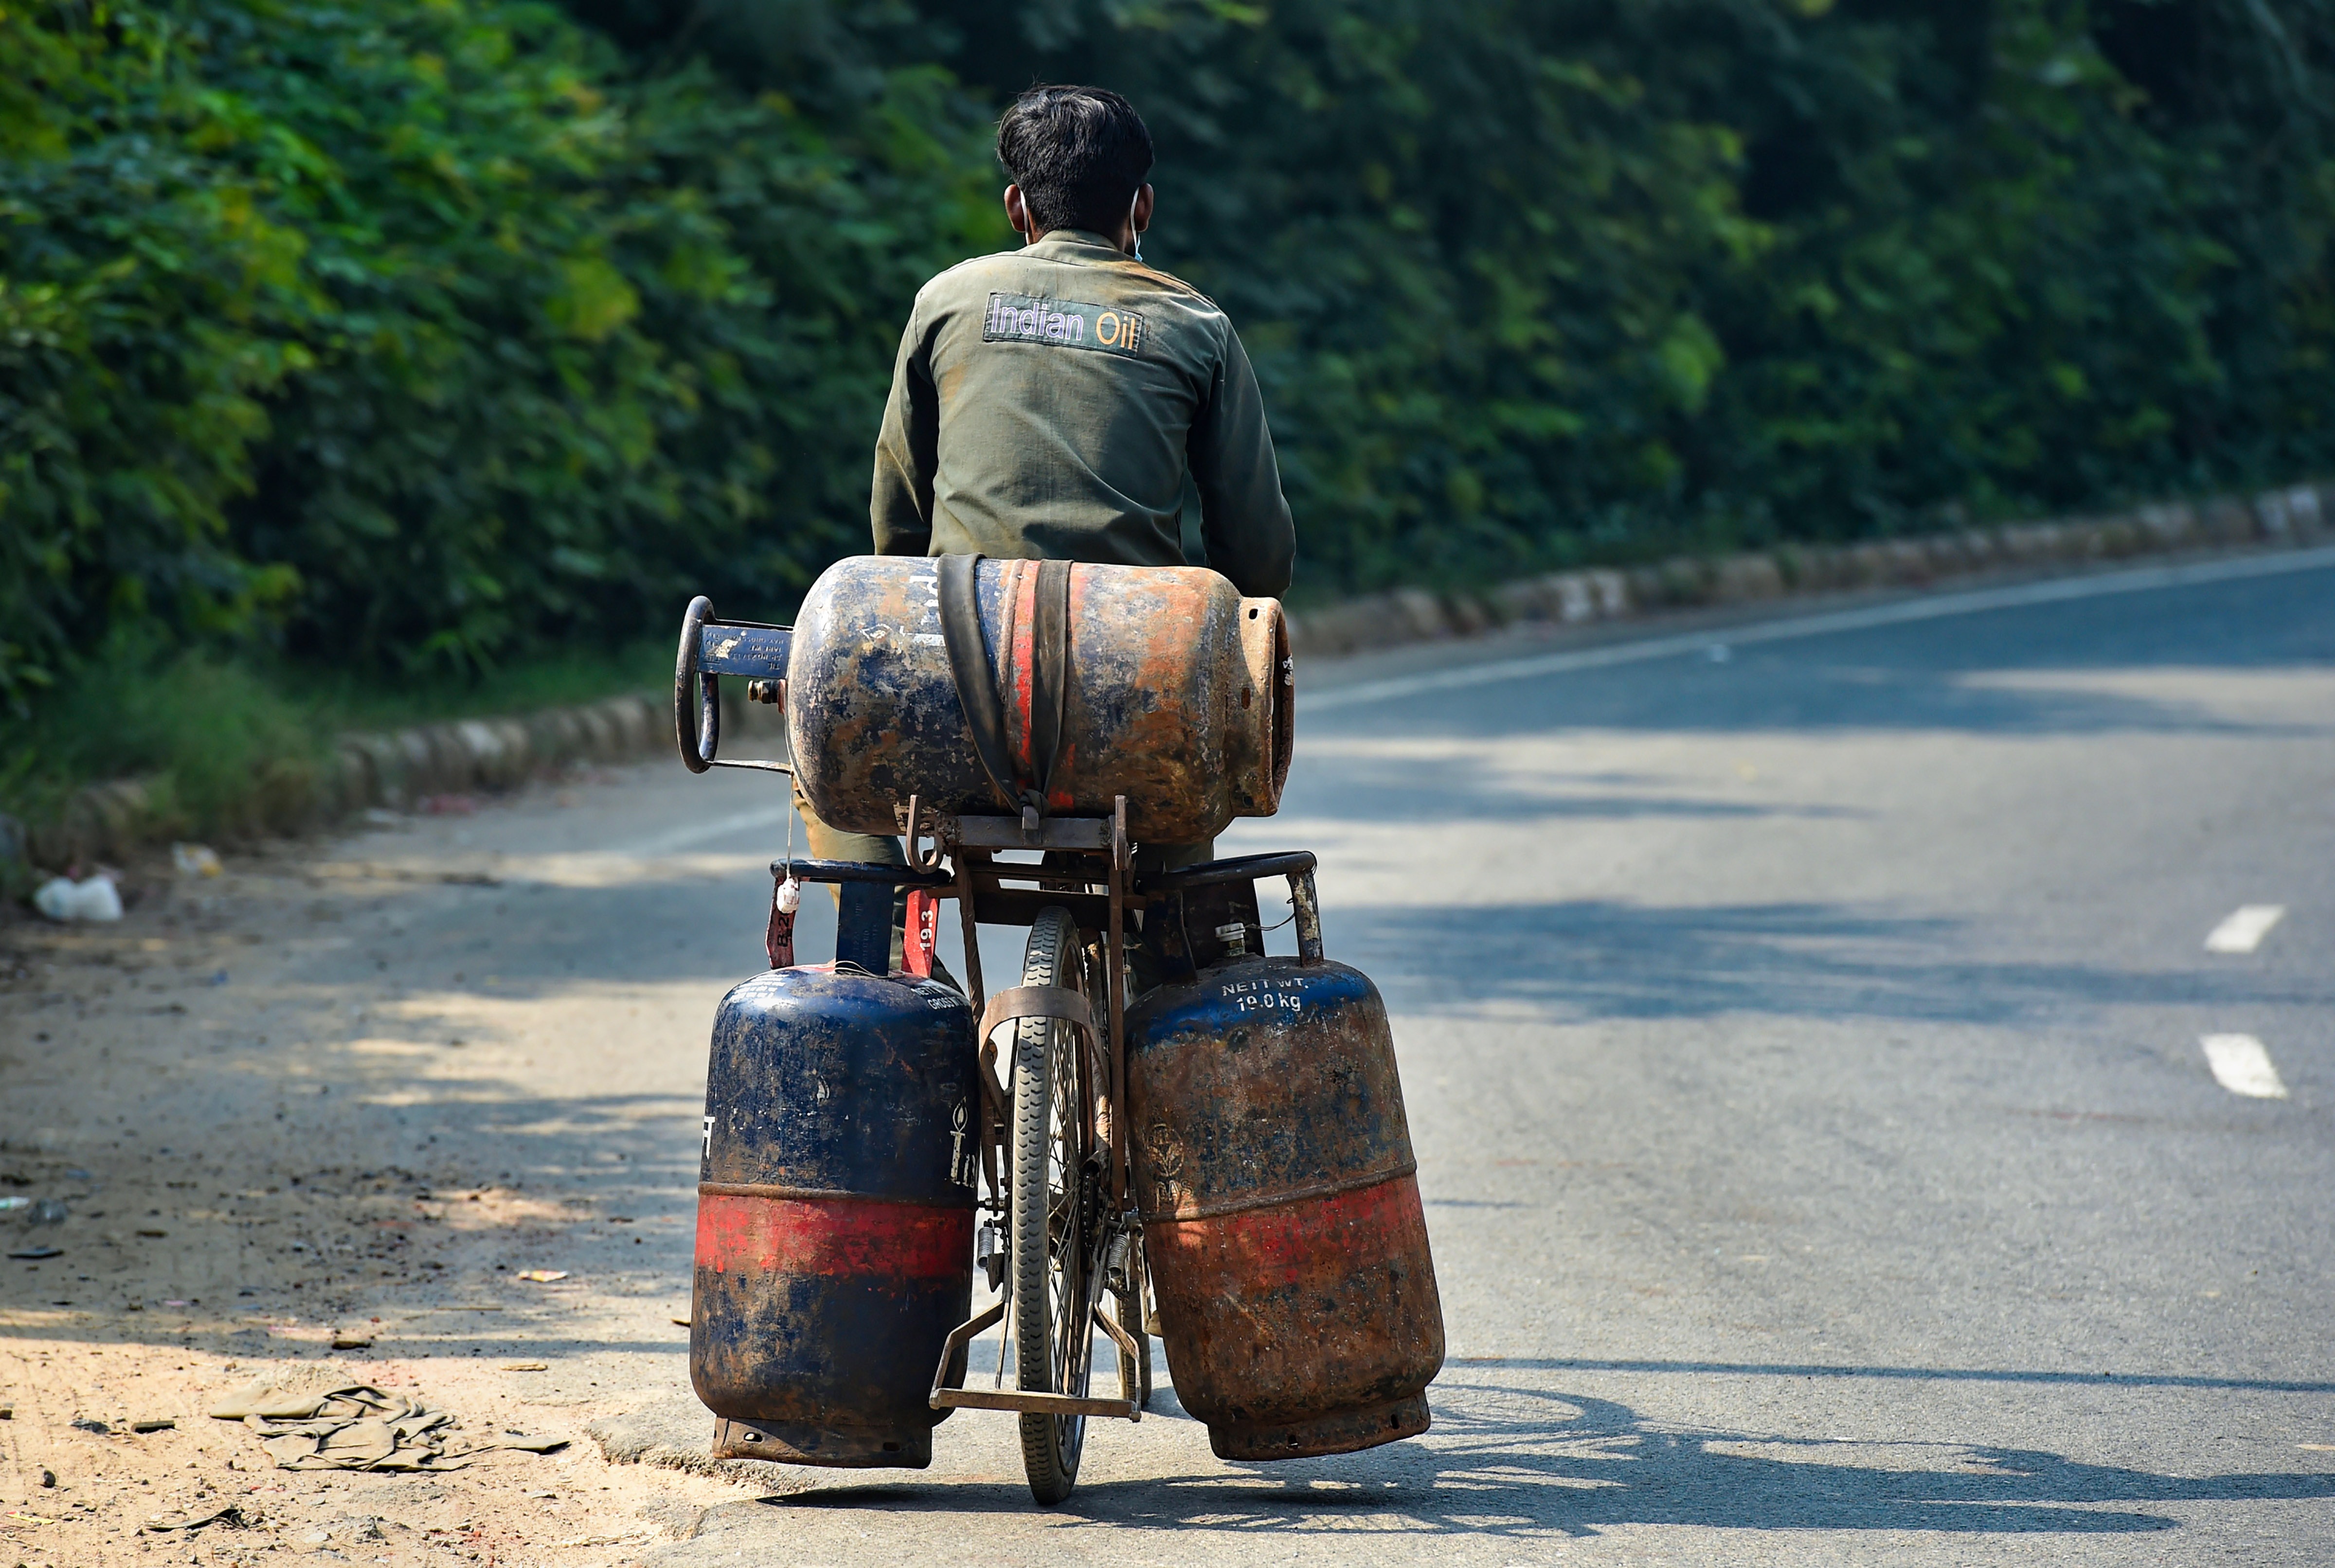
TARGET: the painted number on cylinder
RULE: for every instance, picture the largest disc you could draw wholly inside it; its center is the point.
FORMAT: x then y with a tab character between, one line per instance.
1263	996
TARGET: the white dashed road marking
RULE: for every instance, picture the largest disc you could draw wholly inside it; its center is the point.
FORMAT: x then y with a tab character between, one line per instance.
2243	931
2241	1066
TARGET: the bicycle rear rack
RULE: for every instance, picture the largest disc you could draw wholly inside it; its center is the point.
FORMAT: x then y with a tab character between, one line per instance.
1028	1402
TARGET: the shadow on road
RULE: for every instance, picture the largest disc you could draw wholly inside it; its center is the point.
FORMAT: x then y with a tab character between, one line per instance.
1528	1464
1597	958
1983	674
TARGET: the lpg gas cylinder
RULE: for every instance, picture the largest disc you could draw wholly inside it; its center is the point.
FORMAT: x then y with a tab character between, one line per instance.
1273	1168
1173	691
834	1213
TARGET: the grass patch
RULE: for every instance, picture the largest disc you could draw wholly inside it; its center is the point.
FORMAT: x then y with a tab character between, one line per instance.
232	746
552	681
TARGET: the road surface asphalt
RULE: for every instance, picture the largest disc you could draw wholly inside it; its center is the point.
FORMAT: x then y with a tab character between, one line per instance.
1802	1017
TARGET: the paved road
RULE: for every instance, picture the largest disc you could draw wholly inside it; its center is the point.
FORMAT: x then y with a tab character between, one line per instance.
1802	1024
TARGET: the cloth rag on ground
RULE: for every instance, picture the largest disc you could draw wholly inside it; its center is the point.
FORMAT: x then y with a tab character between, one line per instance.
356	1427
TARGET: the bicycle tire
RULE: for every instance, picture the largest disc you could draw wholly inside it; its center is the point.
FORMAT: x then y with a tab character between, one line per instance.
1051	1346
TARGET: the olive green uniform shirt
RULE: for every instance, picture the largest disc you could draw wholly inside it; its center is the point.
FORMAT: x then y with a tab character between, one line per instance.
1048	402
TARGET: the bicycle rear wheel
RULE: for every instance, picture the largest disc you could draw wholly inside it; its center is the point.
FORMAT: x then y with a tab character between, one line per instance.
1055	1200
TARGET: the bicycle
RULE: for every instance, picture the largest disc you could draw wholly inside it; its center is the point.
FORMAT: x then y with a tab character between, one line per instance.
1061	1230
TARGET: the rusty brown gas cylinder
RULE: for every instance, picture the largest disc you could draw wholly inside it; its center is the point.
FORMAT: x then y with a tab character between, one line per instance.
1178	696
1281	1219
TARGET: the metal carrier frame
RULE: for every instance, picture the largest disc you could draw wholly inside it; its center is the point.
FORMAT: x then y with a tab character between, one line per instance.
1087	873
1104	856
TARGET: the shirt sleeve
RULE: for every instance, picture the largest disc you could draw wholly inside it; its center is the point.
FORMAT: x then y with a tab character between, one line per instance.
1245	524
907	451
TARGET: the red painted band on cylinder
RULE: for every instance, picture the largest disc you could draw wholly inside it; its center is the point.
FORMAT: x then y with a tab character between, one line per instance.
1287	1243
832	1236
1023	663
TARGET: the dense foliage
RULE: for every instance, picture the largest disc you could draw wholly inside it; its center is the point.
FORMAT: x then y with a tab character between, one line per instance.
422	332
1535	277
417	333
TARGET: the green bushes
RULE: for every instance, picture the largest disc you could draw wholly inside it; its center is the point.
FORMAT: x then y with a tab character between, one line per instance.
412	336
1532	281
142	294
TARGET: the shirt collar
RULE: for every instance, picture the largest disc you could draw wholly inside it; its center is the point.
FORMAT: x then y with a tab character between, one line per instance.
1074	244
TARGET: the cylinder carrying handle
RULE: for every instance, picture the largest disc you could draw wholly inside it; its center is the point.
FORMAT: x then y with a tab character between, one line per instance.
711	648
696	694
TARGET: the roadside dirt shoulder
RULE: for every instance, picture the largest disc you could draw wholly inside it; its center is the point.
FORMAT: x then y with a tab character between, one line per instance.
294	1123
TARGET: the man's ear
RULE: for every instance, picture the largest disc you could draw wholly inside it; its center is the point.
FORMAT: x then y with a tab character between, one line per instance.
1017	211
1141	212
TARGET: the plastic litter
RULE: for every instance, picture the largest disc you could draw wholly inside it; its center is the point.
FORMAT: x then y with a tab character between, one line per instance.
10	1205
33	1254
542	1276
64	900
194	860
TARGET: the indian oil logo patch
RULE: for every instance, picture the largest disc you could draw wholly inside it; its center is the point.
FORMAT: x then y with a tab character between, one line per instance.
1065	322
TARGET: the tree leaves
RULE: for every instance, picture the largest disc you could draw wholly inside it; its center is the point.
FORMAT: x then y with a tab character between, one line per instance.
414	335
418	337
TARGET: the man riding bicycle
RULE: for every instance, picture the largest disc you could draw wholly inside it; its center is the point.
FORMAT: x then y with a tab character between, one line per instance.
1049	403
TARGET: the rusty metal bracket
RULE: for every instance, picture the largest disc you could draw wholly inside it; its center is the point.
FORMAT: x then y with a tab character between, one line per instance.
1128	1352
1122	858
971	928
912	829
1031	1402
1305	908
1037	1002
990	1085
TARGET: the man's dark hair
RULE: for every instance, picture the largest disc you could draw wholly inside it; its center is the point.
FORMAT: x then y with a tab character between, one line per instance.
1079	154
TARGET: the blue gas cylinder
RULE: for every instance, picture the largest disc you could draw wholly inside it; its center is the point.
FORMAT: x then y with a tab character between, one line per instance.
834	1213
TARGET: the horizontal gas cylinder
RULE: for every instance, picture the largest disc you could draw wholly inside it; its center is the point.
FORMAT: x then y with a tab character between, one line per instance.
834	1214
1273	1168
1176	696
